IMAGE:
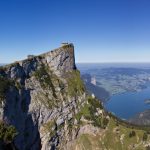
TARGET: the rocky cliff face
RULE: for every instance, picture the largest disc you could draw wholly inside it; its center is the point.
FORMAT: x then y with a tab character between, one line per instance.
39	98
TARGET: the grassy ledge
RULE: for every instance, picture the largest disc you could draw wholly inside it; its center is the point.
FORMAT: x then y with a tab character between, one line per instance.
75	84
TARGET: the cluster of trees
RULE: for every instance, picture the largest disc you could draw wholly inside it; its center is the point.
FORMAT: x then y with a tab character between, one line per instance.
132	134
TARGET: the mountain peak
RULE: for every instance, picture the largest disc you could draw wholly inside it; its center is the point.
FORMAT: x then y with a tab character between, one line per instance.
59	60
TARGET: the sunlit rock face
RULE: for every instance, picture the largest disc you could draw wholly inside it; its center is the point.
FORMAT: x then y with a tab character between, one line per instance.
36	101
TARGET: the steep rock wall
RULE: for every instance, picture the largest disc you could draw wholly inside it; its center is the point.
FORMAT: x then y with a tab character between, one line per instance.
37	102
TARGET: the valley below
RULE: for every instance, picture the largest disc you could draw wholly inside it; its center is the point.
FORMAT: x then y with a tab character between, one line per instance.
124	89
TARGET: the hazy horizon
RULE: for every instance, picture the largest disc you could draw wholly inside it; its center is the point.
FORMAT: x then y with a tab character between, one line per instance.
1	63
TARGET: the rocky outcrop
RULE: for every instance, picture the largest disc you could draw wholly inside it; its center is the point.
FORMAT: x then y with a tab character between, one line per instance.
59	60
142	118
37	102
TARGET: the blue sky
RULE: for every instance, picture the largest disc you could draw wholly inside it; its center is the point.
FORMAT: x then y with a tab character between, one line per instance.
101	30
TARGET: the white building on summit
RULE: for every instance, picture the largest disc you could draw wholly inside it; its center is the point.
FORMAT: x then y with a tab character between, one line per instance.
64	43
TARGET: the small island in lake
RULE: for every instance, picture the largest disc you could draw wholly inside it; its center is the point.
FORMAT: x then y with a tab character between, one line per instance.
147	101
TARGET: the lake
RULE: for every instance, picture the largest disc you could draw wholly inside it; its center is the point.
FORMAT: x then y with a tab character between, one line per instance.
127	105
115	78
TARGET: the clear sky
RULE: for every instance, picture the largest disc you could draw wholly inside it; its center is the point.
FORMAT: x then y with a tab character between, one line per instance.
101	30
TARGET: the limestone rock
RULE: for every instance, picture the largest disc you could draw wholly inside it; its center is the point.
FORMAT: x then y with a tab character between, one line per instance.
37	102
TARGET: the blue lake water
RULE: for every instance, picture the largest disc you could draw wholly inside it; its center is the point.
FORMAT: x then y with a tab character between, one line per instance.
127	105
